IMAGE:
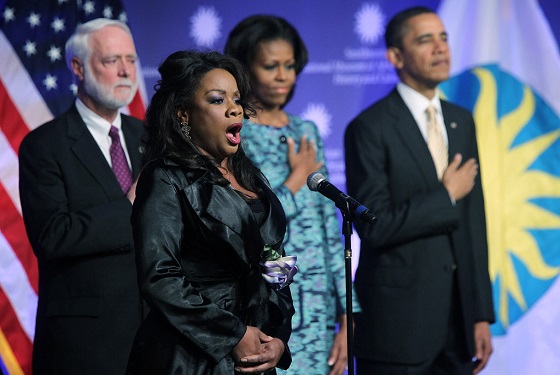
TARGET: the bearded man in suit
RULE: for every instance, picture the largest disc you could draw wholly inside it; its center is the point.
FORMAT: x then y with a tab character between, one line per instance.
77	212
422	278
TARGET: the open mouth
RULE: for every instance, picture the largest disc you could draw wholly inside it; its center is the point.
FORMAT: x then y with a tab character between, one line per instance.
233	133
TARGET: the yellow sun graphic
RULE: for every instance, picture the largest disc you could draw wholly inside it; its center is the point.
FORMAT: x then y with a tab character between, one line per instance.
509	185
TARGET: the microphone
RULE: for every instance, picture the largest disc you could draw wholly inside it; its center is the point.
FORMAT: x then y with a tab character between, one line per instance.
318	182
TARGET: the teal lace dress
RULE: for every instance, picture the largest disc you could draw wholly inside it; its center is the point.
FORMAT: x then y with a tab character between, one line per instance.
314	236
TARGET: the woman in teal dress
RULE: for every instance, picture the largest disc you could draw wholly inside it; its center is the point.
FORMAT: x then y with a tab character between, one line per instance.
287	149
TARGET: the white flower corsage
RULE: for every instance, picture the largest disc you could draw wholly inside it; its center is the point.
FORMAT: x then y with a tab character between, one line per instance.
276	270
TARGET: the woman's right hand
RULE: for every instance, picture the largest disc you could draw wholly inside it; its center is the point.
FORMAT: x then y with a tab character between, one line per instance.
250	343
257	352
302	163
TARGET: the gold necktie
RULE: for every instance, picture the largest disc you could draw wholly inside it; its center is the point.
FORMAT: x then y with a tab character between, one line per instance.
436	142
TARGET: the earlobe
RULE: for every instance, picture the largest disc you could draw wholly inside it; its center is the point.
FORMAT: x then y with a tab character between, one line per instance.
182	116
394	57
77	68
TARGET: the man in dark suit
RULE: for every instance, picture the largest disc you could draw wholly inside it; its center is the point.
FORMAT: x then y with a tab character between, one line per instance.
422	278
77	212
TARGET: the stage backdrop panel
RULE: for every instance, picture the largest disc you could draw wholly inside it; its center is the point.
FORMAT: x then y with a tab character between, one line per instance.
513	89
348	71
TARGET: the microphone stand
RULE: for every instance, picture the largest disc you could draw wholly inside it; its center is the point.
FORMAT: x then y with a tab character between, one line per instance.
347	232
349	207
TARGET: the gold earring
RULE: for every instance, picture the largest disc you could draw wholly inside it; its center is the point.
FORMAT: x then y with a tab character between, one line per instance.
186	129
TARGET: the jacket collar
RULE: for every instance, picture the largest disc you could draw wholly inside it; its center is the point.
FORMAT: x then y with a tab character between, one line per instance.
214	203
87	151
411	136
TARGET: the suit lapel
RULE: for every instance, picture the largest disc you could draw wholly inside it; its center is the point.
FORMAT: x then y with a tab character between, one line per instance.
226	207
87	151
229	208
223	212
274	228
452	127
412	137
133	140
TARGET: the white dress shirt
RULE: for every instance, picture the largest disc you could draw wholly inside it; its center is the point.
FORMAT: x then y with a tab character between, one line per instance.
417	104
99	129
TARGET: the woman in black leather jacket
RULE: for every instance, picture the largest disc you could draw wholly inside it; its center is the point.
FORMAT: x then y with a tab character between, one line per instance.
205	221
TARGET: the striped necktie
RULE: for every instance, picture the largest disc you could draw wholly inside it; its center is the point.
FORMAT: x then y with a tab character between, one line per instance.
436	142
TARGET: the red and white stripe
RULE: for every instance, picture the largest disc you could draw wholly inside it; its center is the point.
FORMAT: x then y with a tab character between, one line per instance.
22	109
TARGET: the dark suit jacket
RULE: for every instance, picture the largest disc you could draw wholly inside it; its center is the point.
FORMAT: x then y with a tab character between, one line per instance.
408	258
78	221
198	248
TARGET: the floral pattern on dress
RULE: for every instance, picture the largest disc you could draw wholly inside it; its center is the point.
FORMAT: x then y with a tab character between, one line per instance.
313	235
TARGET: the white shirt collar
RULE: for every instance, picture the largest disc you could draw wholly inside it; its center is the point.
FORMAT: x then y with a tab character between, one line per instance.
94	121
99	129
417	104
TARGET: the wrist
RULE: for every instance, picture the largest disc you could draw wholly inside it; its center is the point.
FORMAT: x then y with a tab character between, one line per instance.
450	194
295	182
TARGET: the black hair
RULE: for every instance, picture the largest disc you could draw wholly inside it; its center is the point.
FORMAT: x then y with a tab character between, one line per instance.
181	76
396	28
246	36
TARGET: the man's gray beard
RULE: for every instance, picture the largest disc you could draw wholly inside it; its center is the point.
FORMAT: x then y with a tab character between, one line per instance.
103	95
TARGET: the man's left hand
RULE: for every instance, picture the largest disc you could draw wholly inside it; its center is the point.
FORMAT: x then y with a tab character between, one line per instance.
483	345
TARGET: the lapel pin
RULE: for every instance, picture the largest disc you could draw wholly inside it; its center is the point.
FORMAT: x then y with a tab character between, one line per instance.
453	125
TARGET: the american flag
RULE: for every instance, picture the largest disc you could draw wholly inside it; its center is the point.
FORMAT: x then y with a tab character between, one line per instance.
35	86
